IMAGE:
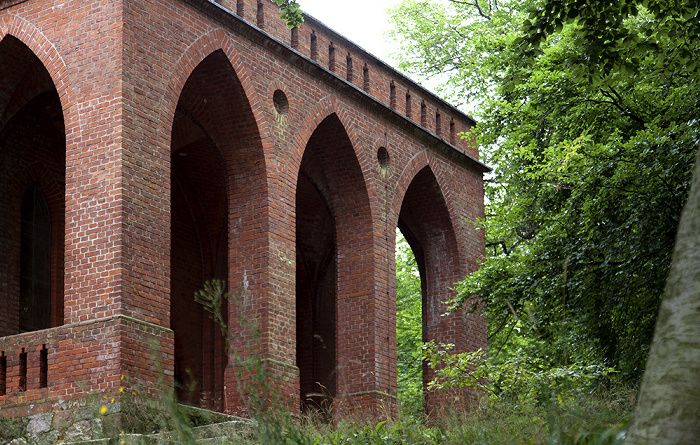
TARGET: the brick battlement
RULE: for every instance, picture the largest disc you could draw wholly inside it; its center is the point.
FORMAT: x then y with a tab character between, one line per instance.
350	63
42	369
24	363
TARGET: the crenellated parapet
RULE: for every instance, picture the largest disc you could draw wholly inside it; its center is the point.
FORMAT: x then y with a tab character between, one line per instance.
351	63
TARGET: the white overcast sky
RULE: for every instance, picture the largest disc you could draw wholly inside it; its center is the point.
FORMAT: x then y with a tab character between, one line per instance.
362	21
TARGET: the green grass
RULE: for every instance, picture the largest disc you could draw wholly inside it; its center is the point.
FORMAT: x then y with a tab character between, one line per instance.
597	418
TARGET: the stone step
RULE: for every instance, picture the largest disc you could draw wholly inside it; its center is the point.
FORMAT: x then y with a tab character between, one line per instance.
233	431
210	428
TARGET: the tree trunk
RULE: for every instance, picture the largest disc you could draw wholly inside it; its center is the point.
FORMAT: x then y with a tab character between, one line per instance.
668	408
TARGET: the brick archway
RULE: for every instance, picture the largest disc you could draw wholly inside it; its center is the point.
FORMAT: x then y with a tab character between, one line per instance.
213	41
328	106
334	269
33	137
419	162
188	113
215	149
427	223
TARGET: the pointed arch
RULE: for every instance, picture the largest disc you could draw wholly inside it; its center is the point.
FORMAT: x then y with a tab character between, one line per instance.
219	212
33	137
53	61
418	162
329	105
335	261
200	49
429	224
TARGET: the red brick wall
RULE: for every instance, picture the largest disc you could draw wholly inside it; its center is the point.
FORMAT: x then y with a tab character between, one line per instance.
97	356
330	166
140	82
426	223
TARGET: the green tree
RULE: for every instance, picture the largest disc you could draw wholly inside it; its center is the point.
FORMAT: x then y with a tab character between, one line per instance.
614	36
409	329
668	407
593	151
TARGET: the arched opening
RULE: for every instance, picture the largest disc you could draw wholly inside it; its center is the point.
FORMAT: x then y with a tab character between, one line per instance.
211	146
32	192
425	223
409	329
333	230
198	253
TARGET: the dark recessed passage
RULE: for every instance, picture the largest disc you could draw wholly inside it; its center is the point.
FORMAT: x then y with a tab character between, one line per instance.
43	367
35	262
23	370
3	374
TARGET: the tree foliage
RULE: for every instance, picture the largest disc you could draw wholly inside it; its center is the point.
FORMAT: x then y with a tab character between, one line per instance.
519	378
409	329
615	36
290	12
588	114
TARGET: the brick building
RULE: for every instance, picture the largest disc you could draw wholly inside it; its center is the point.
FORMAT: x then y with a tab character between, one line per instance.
149	145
